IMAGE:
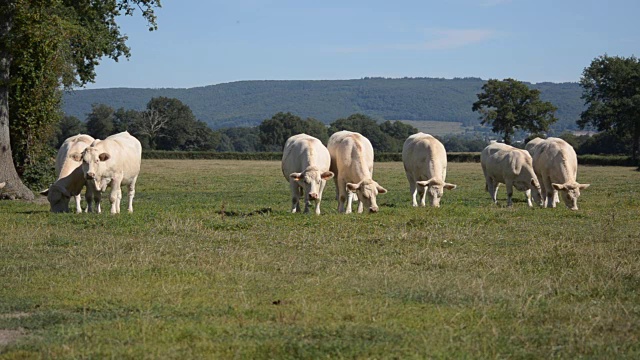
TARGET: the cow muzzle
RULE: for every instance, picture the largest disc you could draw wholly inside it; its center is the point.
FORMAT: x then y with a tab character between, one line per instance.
313	196
90	176
373	209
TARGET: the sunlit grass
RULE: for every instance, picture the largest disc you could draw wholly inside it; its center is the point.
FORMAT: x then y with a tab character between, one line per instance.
212	264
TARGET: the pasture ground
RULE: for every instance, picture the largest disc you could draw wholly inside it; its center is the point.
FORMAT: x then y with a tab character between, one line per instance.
212	265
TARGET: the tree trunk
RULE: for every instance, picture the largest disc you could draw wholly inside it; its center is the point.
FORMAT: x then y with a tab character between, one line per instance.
14	188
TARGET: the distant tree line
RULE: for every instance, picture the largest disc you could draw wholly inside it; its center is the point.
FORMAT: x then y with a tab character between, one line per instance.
168	124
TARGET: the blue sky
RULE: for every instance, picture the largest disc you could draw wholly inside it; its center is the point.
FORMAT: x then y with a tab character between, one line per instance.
207	42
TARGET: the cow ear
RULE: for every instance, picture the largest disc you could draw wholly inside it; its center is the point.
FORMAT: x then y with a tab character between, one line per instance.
422	183
450	186
104	157
557	186
381	190
352	187
295	176
76	156
326	175
583	186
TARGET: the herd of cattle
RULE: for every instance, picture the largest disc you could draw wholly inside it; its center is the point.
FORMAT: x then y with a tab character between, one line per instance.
546	168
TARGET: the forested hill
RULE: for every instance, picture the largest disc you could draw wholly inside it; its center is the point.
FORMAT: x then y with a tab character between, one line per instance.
250	102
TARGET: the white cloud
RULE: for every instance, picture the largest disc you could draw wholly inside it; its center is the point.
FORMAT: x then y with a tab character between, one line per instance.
437	39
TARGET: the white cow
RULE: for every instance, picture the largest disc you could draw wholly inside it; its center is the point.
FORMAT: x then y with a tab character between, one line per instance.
513	167
2	184
556	165
70	179
114	161
352	164
425	164
305	165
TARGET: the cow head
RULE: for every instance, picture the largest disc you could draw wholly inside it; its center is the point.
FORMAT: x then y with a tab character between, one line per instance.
570	193
93	164
58	198
435	189
367	190
311	181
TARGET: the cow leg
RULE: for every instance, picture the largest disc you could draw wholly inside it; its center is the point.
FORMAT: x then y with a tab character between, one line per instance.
93	197
341	195
423	197
349	201
295	196
306	203
97	199
131	194
509	185
413	190
492	188
88	196
115	196
76	199
551	196
322	185
527	193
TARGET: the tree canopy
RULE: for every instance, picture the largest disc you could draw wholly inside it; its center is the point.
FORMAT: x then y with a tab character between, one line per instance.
274	132
46	46
510	105
611	91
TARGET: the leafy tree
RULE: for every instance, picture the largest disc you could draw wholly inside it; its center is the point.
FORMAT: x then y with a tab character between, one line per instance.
274	132
510	105
224	143
240	139
46	45
366	126
180	128
68	126
126	120
398	133
606	142
203	138
611	91
463	142
150	125
100	121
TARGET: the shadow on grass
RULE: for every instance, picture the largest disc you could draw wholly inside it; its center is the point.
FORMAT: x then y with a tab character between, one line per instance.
30	212
262	211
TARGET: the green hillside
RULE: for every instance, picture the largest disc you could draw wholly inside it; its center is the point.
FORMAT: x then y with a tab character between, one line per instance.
249	102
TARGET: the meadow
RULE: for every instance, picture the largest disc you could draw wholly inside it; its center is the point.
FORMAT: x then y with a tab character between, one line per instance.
212	265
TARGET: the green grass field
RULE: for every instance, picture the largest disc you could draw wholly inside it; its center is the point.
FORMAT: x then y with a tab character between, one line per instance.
212	265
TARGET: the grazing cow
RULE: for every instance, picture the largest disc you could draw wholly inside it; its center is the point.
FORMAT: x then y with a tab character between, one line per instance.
114	161
556	165
70	179
305	164
352	164
513	167
425	164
